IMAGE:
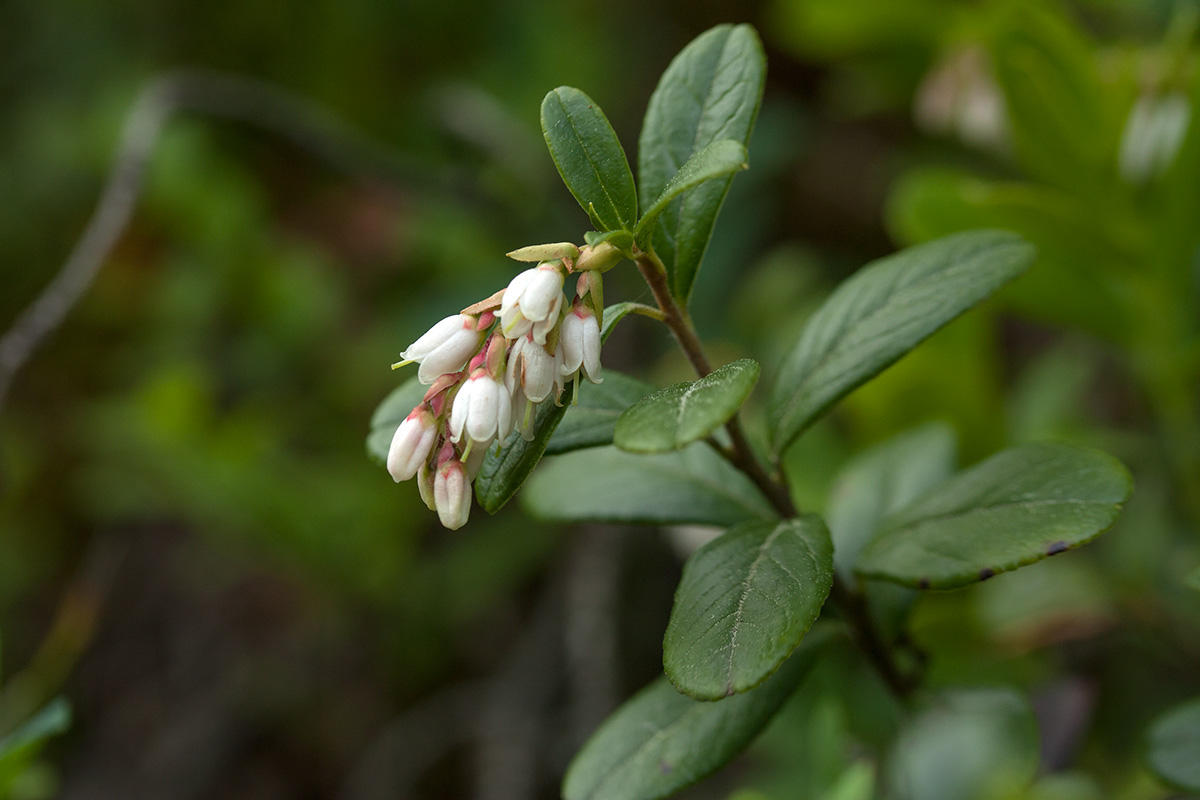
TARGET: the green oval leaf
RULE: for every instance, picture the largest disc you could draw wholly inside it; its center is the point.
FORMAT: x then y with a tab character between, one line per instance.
886	309
590	423
1017	507
717	160
882	480
505	469
605	484
661	741
678	415
745	601
388	416
711	91
589	158
1173	746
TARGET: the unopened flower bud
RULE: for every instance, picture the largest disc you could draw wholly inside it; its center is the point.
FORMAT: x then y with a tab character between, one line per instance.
580	338
412	443
444	348
482	409
531	370
601	258
532	302
452	494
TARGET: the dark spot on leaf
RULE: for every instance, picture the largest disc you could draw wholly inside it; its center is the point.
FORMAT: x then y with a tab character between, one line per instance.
923	583
986	573
665	768
1056	548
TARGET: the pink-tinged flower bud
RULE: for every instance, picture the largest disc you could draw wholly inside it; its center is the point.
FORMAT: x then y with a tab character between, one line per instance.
531	370
444	348
580	338
533	297
412	443
482	409
452	494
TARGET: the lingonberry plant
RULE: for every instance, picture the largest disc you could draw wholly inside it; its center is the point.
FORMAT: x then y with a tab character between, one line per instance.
499	386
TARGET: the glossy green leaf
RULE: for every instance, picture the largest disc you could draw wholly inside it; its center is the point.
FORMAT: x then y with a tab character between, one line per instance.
505	469
719	159
661	741
886	309
1173	746
590	423
589	158
881	481
388	416
607	485
678	415
711	91
1015	508
745	601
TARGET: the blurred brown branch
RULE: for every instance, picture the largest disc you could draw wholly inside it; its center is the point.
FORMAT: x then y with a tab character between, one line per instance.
306	124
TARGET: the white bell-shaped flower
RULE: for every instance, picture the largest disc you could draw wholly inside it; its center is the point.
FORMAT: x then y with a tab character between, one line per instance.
446	347
412	443
580	338
532	370
532	302
452	494
482	409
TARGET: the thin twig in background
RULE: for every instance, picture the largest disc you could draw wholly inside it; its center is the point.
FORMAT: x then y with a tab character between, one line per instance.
309	126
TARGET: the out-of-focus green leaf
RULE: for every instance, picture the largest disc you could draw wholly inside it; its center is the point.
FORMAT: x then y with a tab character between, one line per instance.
1017	507
881	481
589	158
388	416
505	469
1049	74
661	741
607	485
678	415
1077	253
717	160
965	745
20	746
883	311
590	422
745	601
711	91
856	783
1193	579
1173	746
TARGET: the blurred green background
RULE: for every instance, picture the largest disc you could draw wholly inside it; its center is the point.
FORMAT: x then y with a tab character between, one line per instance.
196	553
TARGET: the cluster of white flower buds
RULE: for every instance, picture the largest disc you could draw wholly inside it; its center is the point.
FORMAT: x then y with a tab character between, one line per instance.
487	373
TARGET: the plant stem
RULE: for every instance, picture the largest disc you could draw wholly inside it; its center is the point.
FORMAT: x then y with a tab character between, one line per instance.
741	455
